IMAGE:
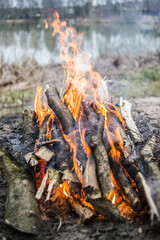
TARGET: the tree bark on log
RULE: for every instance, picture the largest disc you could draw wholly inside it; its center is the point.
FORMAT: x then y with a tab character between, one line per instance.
101	158
104	207
30	130
22	211
62	112
125	186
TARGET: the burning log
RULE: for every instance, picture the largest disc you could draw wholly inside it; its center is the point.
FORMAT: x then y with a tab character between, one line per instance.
101	158
130	193
22	211
104	207
67	121
62	112
90	181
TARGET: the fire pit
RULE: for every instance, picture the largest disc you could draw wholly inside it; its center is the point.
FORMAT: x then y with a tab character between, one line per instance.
80	148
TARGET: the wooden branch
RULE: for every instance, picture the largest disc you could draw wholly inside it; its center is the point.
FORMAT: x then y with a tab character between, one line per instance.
127	116
21	210
129	192
54	141
85	213
90	181
62	112
101	158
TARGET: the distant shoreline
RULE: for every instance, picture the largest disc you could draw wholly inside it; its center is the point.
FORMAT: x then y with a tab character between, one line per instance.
148	20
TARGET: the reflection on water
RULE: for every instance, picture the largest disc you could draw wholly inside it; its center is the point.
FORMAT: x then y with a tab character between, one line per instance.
20	41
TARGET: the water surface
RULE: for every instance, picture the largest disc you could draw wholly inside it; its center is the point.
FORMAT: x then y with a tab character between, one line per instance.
31	40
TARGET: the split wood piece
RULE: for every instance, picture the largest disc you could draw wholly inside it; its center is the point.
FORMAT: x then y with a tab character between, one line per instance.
42	187
31	159
54	180
147	154
21	211
54	141
44	153
101	159
43	130
103	90
62	112
90	182
125	186
30	130
73	182
126	114
105	208
85	213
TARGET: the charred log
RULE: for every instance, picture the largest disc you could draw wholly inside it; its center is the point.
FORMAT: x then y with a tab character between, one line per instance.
128	190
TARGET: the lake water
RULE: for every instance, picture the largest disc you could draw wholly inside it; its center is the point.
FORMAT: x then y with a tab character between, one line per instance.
31	40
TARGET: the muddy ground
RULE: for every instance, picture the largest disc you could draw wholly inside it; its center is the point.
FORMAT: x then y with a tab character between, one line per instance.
146	112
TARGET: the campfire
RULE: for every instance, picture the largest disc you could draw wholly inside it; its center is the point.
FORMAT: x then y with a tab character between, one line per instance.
83	148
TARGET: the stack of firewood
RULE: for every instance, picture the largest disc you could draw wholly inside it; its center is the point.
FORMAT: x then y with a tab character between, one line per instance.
98	173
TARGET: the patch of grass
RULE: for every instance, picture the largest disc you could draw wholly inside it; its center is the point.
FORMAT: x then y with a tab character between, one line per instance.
15	102
153	74
145	83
